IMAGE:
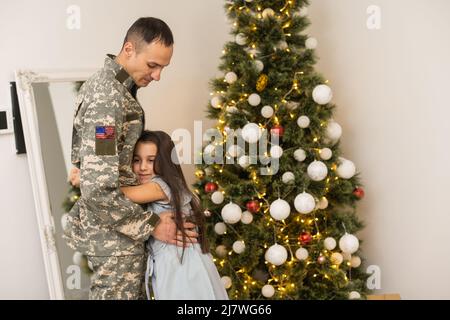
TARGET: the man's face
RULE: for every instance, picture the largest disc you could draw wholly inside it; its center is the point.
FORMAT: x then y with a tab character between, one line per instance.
147	64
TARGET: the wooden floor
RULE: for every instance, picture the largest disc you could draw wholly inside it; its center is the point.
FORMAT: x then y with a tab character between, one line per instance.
388	296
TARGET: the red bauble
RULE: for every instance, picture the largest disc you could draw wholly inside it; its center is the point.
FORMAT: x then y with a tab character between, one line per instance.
359	192
210	187
253	206
305	238
277	131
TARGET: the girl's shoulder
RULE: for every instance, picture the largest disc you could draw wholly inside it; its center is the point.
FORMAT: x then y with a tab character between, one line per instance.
163	185
186	197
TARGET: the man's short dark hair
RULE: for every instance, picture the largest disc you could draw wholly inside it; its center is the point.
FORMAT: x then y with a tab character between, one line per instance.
147	30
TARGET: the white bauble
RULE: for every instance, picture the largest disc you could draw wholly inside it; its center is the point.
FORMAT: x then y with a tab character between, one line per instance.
238	246
354	295
317	170
276	152
329	243
268	291
311	43
247	217
347	256
304	203
64	221
303	122
259	65
78	258
235	151
276	255
322	94
267	112
326	153
217	197
251	132
220	228
300	155
355	261
216	102
231	77
244	161
253	52
228	130
221	251
303	12
323	203
346	168
231	213
268	12
209	150
280	209
348	243
291	105
226	281
208	170
282	45
241	39
288	177
207	213
333	130
254	99
301	254
336	258
232	109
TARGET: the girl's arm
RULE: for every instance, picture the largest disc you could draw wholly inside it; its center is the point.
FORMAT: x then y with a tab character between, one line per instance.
144	193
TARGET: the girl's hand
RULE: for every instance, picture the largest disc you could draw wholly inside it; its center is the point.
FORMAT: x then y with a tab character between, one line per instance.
74	177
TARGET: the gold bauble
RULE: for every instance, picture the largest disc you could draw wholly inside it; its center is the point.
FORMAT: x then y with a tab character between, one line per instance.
199	173
261	84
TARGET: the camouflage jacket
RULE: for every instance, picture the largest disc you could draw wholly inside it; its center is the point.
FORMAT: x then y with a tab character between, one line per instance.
107	123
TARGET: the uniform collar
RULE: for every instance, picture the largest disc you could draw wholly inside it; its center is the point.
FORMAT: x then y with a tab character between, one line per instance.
119	72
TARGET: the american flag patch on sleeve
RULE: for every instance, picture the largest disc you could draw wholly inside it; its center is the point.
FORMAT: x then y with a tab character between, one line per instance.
105	142
105	132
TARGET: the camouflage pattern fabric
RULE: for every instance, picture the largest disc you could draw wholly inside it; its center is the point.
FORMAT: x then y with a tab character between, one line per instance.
107	123
117	278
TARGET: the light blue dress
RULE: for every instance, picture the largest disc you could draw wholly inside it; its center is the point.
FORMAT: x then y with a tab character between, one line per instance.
194	278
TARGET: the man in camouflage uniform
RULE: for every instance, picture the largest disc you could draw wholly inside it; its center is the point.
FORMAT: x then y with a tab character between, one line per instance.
103	224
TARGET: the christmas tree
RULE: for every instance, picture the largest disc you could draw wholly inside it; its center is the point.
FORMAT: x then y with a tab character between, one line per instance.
281	220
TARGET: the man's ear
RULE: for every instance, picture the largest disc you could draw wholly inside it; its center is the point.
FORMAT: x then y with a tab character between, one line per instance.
128	49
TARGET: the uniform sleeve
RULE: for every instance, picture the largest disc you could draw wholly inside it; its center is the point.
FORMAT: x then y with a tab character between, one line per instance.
99	175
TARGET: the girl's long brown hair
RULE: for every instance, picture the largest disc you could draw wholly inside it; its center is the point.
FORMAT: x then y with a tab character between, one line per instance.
172	174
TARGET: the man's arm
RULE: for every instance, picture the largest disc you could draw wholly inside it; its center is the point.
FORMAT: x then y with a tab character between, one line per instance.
99	172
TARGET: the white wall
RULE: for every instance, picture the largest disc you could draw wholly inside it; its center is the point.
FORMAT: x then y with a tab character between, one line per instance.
387	86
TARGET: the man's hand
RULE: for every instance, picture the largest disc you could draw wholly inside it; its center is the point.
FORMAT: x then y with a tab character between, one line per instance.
166	231
74	177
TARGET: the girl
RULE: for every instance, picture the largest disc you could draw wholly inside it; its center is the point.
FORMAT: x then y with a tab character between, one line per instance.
177	273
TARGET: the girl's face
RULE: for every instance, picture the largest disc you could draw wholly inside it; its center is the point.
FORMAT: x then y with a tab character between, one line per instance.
143	160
